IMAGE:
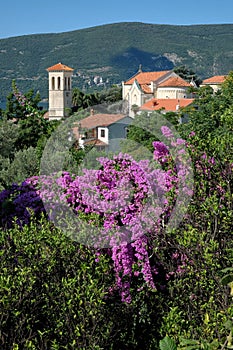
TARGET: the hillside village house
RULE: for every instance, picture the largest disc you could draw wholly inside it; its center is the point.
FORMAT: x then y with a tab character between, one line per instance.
103	131
214	82
145	86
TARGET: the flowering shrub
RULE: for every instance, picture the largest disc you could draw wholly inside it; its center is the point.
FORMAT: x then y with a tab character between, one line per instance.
126	203
25	103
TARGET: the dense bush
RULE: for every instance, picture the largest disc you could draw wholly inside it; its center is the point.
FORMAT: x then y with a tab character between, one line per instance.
56	294
52	291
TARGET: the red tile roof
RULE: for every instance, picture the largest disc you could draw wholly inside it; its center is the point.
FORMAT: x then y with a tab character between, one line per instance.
95	142
146	88
217	79
100	120
168	104
60	67
146	77
174	81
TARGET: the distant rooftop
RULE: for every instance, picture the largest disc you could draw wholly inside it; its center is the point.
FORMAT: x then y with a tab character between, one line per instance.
168	104
146	77
217	79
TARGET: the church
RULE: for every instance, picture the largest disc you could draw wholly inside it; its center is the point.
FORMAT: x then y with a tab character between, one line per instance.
162	85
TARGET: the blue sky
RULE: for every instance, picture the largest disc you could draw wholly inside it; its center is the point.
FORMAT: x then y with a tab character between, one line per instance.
50	16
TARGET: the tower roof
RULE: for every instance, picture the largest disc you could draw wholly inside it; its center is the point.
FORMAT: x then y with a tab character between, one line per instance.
60	67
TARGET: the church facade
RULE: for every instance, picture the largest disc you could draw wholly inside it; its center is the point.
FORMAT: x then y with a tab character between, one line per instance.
145	86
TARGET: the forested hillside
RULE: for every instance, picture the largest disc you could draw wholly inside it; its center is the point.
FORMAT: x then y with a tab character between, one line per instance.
114	52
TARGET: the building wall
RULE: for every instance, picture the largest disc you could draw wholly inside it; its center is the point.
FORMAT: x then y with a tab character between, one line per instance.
215	87
125	91
134	96
104	138
118	129
60	94
171	92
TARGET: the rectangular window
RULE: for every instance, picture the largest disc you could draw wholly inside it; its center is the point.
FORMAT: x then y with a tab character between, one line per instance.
102	133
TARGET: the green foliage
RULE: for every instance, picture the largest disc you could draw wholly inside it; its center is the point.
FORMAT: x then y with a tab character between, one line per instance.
55	294
52	291
81	100
167	344
187	74
110	95
198	345
8	136
15	110
144	129
212	120
31	130
24	165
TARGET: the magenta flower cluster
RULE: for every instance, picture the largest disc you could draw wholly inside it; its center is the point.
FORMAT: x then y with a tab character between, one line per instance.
127	202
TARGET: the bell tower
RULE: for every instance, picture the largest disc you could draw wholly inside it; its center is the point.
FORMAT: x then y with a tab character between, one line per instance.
60	90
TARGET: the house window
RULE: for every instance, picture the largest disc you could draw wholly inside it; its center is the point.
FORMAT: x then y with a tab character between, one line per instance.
102	133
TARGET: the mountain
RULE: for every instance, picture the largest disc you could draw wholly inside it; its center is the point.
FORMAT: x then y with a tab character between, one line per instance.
110	53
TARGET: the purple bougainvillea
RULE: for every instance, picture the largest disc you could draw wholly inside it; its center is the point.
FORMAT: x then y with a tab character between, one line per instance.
128	202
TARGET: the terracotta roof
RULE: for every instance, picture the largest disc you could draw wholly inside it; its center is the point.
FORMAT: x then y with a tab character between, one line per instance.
95	142
146	88
174	81
168	104
217	79
100	120
60	67
146	77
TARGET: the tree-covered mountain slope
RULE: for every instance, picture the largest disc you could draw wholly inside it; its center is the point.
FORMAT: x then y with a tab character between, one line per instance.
111	53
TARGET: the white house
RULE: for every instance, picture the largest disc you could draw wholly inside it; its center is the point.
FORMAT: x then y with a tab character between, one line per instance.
214	82
103	131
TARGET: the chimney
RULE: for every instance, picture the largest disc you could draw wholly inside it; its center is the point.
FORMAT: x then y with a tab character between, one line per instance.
92	111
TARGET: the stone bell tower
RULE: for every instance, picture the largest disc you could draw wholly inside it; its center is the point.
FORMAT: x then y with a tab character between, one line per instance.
60	91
